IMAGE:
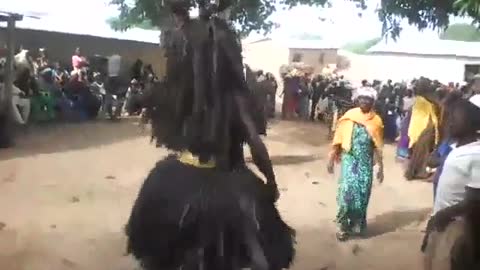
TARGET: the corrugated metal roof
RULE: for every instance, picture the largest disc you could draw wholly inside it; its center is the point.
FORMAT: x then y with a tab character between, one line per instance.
311	44
21	11
295	43
429	47
98	28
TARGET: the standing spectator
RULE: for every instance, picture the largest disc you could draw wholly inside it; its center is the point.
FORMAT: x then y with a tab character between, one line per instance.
476	85
453	215
114	93
291	89
304	97
358	139
318	89
114	63
261	92
423	130
137	70
272	94
408	101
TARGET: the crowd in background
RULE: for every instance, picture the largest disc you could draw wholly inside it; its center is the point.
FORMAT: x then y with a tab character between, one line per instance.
88	88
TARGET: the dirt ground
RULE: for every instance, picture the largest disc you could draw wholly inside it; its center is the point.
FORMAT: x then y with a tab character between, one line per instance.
66	192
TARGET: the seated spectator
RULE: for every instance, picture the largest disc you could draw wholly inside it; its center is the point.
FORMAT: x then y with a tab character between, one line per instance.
98	89
98	86
47	82
60	75
42	104
79	92
21	106
133	105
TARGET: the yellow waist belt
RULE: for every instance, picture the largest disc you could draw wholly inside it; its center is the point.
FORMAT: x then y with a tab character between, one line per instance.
186	157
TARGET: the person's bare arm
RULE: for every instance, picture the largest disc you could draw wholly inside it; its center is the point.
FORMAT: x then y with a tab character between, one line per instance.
379	160
259	152
334	156
443	217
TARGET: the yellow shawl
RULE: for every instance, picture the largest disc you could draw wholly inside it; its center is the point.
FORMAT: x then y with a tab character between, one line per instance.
371	121
422	112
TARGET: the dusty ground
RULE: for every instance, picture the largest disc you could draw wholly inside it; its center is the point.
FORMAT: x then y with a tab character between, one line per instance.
66	192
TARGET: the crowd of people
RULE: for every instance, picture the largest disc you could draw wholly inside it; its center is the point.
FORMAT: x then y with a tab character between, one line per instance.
45	90
438	140
436	128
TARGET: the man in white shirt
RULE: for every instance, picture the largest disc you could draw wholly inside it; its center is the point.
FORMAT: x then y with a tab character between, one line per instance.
408	101
461	169
364	90
114	64
462	165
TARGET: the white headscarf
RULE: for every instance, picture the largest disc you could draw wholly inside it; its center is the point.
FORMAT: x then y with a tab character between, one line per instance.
475	100
365	91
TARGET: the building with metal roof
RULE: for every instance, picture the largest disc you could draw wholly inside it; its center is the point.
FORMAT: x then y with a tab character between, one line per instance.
407	58
428	47
60	37
100	29
269	54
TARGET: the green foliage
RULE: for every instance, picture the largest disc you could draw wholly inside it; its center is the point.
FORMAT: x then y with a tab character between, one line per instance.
306	36
361	47
461	32
253	15
120	24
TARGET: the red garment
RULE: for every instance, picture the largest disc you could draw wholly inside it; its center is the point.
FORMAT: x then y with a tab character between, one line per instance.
78	62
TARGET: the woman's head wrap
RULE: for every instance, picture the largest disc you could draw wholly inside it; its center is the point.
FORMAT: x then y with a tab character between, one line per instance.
365	91
475	100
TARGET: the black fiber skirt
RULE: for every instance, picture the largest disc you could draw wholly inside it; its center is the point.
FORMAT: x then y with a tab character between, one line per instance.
185	216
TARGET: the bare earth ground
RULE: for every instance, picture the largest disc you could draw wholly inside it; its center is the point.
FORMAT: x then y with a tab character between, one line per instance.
66	192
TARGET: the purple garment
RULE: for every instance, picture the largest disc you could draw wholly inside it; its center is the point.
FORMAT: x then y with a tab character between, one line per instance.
402	147
293	85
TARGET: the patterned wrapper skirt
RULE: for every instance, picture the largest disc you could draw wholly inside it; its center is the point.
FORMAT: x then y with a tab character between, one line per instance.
355	183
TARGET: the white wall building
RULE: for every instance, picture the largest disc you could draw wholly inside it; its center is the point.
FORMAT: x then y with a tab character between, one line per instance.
444	60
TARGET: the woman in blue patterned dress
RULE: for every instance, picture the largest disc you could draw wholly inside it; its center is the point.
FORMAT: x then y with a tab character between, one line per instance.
358	139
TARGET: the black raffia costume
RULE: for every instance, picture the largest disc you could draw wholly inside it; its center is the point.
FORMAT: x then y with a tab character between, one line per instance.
203	209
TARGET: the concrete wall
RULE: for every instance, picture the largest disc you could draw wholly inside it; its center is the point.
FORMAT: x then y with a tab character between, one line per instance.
317	58
269	55
266	55
60	47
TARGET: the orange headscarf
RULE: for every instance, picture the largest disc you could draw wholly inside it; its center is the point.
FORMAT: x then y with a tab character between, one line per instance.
371	121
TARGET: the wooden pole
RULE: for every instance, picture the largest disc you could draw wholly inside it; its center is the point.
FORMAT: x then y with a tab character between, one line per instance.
6	109
9	72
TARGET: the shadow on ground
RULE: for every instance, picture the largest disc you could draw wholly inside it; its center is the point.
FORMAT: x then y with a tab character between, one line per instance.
290	159
391	221
309	133
293	159
60	137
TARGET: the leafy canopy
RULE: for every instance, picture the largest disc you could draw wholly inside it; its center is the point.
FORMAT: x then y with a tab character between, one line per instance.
361	47
461	32
253	15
